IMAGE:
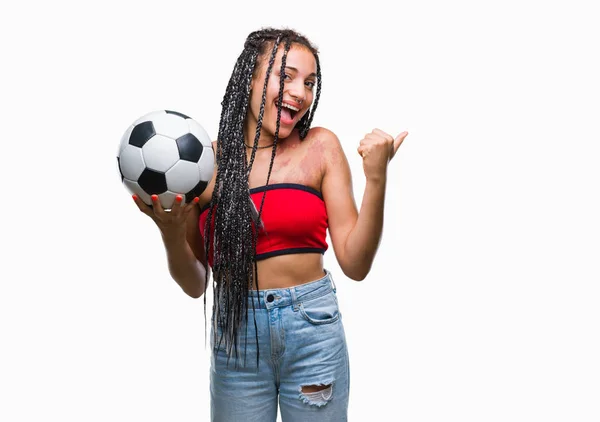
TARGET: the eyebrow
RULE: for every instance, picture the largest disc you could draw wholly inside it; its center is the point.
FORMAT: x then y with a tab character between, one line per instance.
296	70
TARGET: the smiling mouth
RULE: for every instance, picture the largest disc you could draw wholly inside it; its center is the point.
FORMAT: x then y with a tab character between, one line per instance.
288	111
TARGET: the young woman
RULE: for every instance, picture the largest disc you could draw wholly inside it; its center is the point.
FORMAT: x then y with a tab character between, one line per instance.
277	335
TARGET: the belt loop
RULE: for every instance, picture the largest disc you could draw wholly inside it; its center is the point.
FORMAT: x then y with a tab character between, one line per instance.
332	282
295	304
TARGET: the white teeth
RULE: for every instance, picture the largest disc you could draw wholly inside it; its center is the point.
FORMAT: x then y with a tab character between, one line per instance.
291	107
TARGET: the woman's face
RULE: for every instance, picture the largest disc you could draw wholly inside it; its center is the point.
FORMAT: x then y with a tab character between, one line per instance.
300	78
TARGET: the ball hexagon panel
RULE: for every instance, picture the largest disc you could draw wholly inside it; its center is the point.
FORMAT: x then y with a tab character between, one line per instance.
182	177
160	153
133	187
131	162
170	125
206	164
153	182
199	132
141	133
190	148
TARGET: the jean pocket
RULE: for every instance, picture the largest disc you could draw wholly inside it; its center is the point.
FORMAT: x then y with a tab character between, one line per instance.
321	310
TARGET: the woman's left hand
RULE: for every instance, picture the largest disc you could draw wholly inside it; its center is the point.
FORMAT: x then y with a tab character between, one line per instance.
377	149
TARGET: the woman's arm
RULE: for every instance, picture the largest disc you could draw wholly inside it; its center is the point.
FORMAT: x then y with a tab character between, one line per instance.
186	257
356	236
181	237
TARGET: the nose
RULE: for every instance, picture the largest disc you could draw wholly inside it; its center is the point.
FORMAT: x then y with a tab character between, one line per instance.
297	92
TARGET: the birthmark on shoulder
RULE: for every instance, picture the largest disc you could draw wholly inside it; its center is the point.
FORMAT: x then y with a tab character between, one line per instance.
283	162
310	164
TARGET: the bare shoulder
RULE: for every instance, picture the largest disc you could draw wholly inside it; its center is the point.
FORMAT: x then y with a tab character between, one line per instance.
321	134
329	145
326	137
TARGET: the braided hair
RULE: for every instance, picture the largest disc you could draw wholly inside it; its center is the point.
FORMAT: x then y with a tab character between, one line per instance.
236	219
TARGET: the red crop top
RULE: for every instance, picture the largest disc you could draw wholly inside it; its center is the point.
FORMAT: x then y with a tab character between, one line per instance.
294	219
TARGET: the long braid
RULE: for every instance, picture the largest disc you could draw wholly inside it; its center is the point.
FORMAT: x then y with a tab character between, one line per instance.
232	177
263	102
306	120
279	106
257	220
232	210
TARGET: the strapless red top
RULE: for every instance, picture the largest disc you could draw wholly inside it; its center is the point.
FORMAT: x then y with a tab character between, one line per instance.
294	220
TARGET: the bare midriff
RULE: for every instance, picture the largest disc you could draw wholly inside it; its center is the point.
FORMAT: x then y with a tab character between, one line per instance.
289	270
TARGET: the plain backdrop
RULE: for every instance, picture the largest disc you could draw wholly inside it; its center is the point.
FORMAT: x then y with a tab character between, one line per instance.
482	304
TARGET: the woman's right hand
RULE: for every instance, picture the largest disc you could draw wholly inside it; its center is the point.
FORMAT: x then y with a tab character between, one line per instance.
172	224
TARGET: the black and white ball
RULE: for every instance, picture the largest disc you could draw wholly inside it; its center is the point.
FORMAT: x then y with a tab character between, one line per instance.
165	153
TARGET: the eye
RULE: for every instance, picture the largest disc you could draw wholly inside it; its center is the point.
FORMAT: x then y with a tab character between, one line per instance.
286	76
310	84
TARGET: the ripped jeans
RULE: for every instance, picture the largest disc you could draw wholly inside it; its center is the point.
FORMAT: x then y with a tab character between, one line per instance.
302	348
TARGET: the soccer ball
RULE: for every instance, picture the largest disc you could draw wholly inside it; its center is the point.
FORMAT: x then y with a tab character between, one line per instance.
165	153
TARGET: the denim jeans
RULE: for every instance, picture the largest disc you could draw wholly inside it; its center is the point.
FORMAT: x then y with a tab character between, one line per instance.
301	343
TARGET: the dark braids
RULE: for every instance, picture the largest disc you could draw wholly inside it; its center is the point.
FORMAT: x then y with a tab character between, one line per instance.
306	120
236	219
279	104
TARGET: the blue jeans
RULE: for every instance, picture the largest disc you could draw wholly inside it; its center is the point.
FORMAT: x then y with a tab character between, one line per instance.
301	343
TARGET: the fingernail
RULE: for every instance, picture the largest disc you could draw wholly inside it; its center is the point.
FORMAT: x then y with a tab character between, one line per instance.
178	198
154	197
196	200
134	196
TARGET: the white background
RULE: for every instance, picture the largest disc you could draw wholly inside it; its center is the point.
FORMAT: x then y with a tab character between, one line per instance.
483	301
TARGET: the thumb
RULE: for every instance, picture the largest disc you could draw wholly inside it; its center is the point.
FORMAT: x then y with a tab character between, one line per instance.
398	141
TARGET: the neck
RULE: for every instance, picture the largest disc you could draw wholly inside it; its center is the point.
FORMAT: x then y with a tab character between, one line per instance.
265	140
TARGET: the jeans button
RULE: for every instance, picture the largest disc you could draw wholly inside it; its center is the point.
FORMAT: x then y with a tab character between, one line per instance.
270	298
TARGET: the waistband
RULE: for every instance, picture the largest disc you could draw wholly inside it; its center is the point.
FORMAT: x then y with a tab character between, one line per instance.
292	296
